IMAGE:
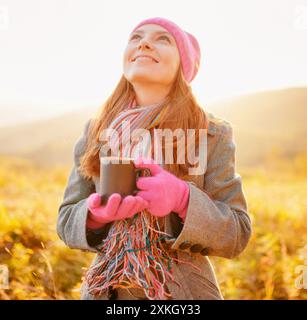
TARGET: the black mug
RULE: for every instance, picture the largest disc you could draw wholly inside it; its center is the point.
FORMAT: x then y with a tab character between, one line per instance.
118	175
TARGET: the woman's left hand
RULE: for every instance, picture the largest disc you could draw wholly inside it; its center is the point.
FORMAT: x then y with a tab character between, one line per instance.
163	190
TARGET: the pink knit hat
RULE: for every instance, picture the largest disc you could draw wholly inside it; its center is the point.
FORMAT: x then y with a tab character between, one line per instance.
187	45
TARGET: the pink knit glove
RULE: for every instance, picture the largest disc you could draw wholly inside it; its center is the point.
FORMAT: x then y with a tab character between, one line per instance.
163	190
115	209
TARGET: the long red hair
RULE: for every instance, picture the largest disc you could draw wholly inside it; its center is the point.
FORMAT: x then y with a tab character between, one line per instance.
183	111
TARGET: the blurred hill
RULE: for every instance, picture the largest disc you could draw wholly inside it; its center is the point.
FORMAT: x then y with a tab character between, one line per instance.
46	142
265	123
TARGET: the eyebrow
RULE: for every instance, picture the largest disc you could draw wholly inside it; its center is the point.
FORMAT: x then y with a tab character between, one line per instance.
157	32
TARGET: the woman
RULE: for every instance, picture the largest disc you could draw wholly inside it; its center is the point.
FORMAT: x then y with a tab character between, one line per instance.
204	214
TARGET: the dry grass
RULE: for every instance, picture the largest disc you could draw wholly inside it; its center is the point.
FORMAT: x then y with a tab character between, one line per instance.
42	267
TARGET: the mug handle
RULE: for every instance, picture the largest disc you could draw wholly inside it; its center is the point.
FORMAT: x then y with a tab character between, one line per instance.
138	172
104	200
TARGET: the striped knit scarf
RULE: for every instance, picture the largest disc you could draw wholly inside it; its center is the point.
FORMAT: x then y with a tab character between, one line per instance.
134	254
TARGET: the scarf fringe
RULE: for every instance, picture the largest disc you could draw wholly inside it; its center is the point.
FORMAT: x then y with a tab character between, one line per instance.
130	260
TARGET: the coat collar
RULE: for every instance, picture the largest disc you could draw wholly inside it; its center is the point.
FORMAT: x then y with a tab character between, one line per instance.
211	125
211	128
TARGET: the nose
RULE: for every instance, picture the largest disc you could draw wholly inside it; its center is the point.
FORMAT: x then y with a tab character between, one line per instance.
144	44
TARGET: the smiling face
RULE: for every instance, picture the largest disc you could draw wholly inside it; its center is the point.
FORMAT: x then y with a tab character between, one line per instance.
163	59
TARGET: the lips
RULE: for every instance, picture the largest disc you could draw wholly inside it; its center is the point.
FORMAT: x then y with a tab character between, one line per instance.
144	56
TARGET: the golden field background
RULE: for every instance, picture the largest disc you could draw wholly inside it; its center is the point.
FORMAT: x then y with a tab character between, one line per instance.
274	171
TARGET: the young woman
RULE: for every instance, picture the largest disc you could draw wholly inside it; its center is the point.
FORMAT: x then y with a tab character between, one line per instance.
203	214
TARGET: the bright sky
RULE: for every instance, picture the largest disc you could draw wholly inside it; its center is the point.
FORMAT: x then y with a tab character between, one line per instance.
67	54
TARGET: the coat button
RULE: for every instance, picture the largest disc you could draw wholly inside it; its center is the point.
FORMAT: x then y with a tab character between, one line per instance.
112	293
204	252
185	245
196	248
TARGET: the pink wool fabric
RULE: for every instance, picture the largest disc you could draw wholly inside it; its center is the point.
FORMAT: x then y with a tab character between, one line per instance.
116	208
187	44
163	191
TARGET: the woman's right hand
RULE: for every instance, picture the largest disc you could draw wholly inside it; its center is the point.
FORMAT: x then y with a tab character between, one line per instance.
115	209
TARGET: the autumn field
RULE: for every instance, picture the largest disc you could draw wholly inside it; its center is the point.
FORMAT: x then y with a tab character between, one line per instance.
42	267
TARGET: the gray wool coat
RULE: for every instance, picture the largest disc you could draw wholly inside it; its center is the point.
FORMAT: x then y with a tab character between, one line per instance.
215	225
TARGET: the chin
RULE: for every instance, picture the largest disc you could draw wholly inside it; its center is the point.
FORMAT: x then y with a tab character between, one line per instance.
143	76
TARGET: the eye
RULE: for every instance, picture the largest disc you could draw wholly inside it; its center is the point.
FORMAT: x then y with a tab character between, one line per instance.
136	35
165	37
